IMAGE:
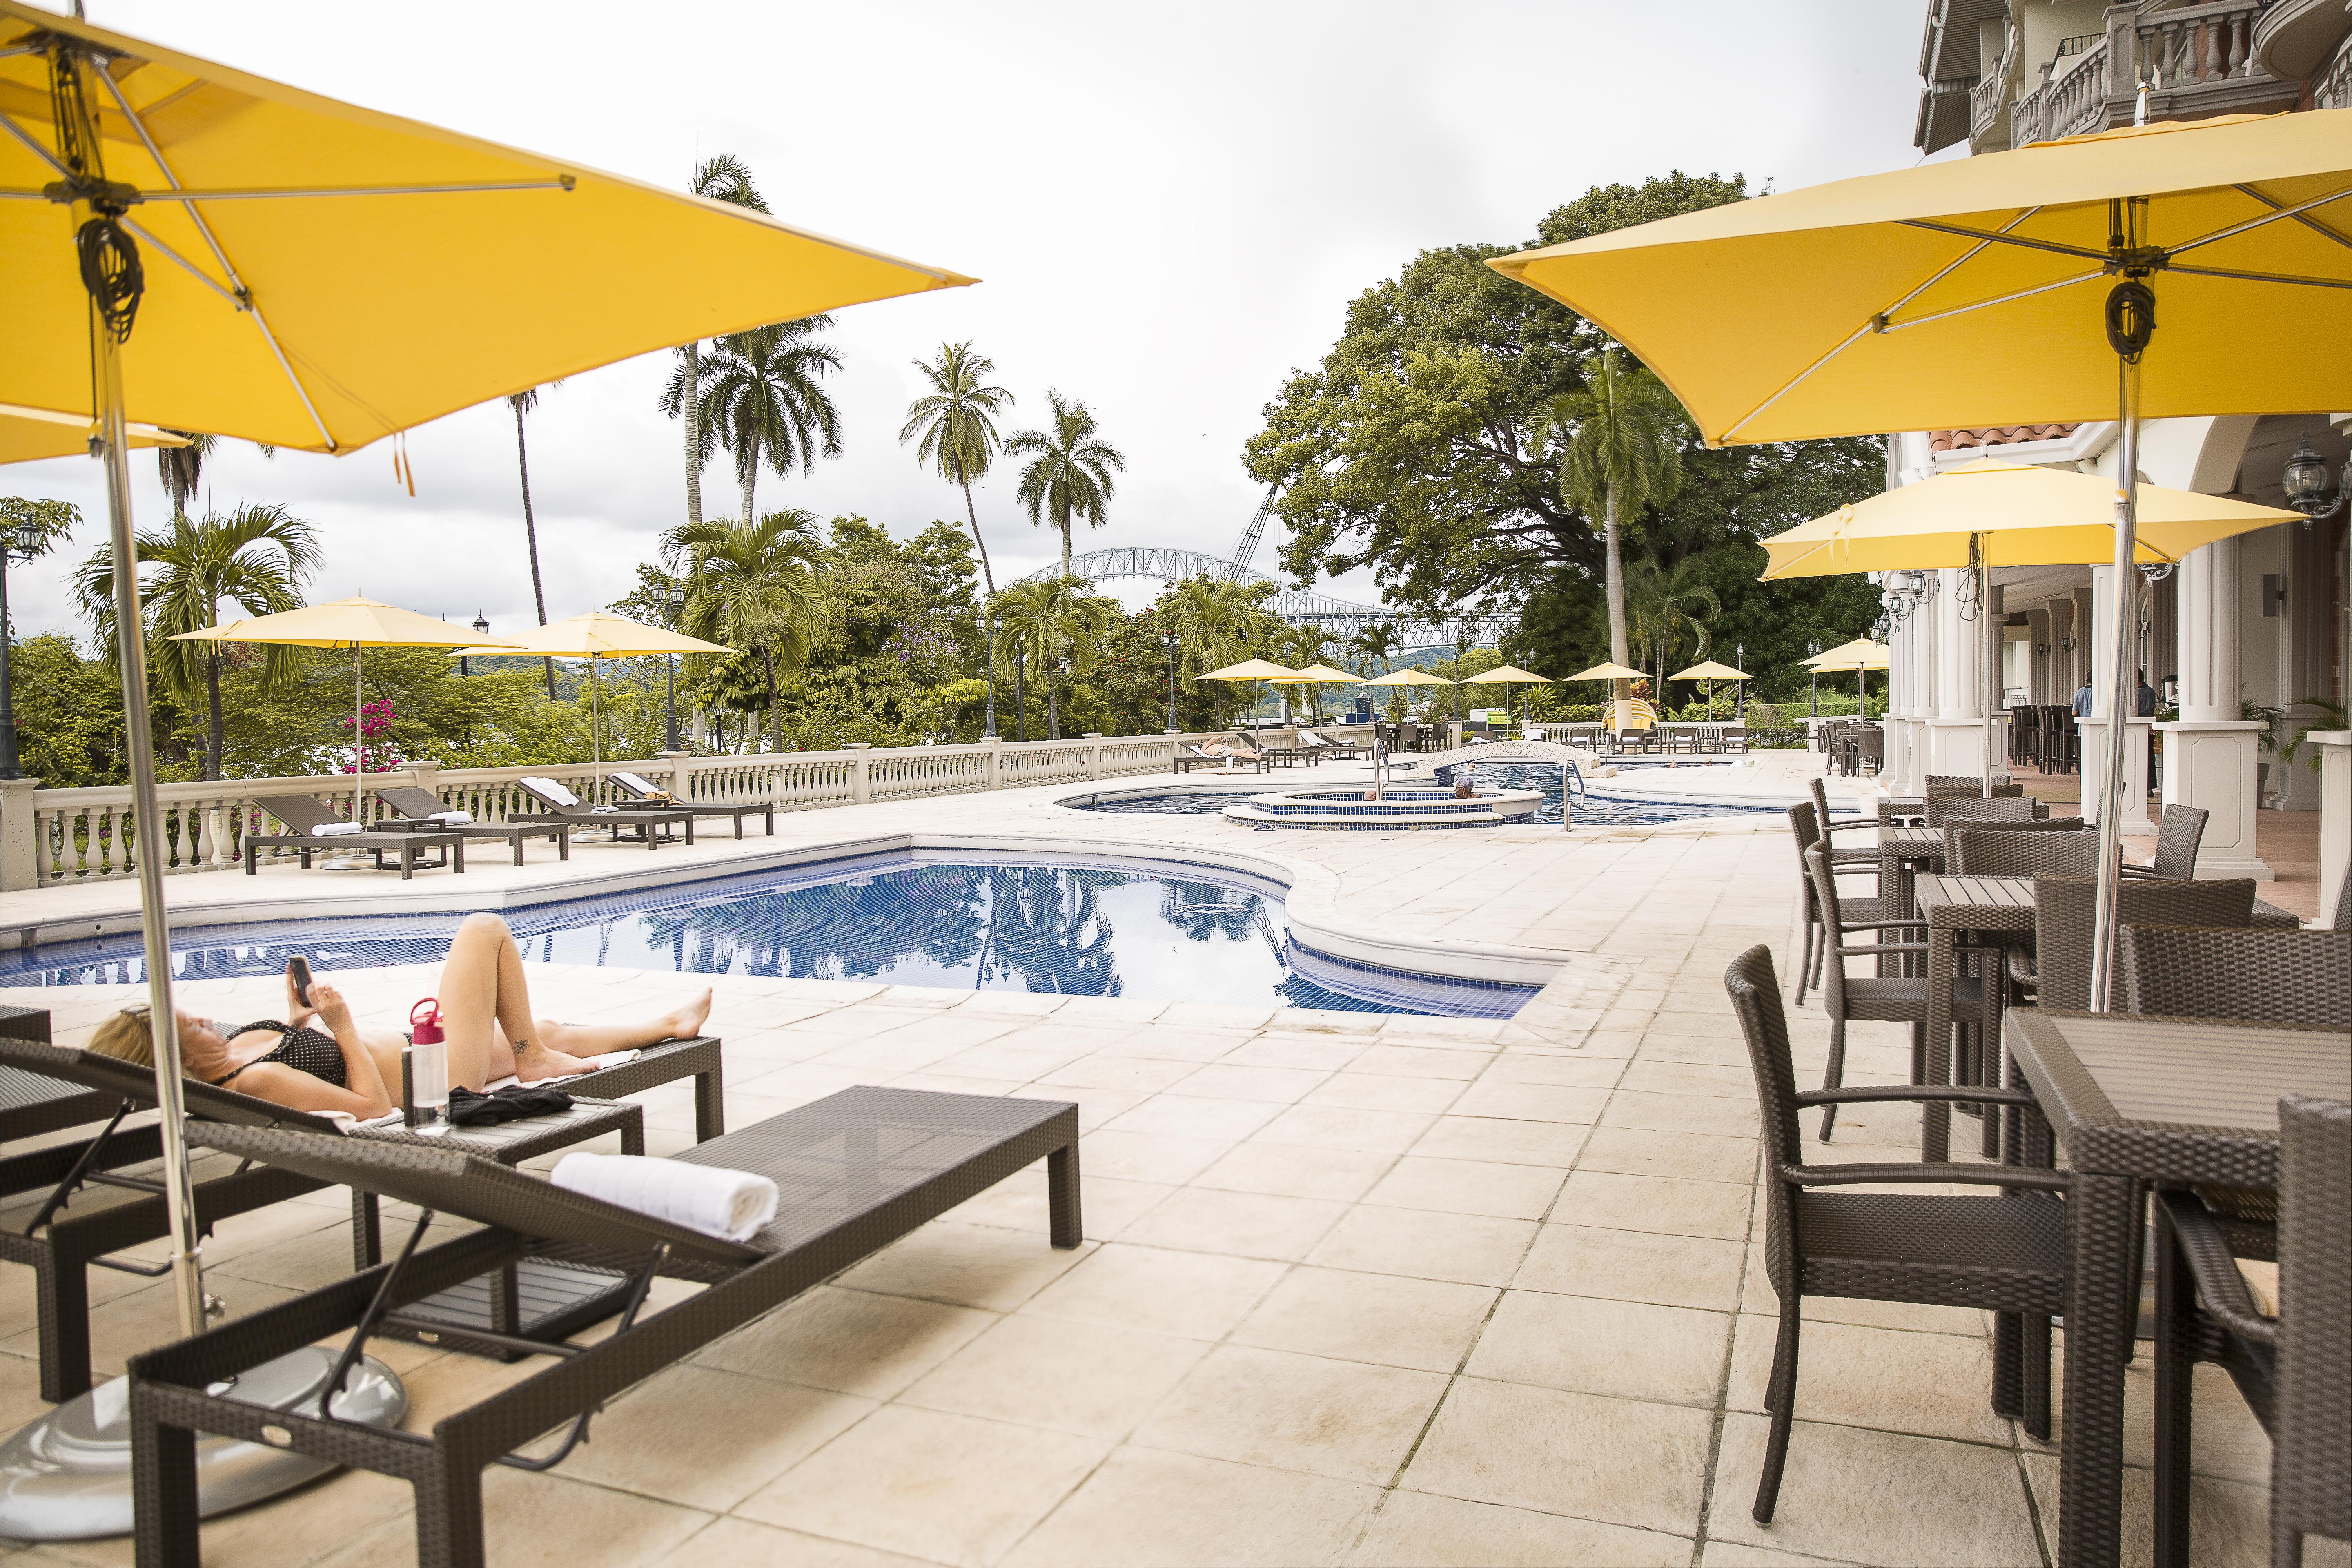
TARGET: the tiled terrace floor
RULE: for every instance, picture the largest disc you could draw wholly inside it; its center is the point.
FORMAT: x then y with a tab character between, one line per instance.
1397	1292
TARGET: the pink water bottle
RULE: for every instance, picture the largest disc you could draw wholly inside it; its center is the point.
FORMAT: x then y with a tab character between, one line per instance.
425	1068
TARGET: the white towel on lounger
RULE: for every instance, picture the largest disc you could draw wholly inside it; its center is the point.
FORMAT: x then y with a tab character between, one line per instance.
337	829
729	1203
453	818
549	789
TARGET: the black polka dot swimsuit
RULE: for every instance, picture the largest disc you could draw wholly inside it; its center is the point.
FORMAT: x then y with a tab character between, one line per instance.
305	1049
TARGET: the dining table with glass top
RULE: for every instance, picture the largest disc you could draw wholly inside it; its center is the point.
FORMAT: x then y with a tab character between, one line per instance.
2141	1101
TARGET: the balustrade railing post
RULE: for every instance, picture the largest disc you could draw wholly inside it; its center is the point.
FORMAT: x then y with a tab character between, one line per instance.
859	783
19	865
995	770
675	780
1094	753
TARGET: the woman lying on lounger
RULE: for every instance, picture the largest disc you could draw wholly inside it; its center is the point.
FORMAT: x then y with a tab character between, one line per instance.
484	1011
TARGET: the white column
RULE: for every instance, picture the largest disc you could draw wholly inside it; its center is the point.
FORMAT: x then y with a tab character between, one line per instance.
2335	816
1954	734
2209	754
2208	633
2098	643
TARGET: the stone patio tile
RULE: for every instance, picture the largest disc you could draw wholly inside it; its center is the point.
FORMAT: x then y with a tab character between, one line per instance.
1523	1102
1148	1156
1018	1058
1145	1509
1620	1461
1551	1067
1936	1385
1294	1171
1415	1530
1468	1250
1731	1554
1338	1127
1683	1113
953	1488
1091	1379
526	1518
1626	1349
2229	1521
1153	1042
1641	1152
1244	1225
1653	1076
1390	1320
1346	1420
1194	1294
1215	1015
1312	1053
1103	1070
707	1438
964	1266
1385	1092
1633	1265
1181	1114
1619	1202
1554	1144
740	1543
1423	1061
1876	1497
847	1340
1225	1081
1023	1202
1469	1186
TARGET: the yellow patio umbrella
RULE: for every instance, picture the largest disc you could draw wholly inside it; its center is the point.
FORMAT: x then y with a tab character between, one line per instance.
597	637
1619	708
1843	655
1986	514
1710	671
27	434
203	249
1410	675
2019	287
1252	670
1318	676
357	625
1507	676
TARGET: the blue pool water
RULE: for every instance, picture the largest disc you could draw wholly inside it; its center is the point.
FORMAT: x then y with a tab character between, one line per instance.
963	920
1592	811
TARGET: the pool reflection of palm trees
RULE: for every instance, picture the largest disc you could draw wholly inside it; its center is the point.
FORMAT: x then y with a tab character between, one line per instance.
1047	925
843	930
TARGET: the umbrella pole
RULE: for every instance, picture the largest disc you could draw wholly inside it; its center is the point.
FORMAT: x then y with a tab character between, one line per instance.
147	836
358	733
1991	660
596	724
2119	686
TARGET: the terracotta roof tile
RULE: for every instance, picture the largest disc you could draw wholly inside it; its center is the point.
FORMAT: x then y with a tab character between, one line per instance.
1996	435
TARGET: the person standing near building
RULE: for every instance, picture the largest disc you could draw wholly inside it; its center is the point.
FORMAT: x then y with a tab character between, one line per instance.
2084	699
2145	704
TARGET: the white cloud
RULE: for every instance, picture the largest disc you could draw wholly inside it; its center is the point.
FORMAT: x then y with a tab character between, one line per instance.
1171	209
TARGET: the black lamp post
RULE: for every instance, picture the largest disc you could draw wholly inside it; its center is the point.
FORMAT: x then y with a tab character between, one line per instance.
1813	683
20	542
673	603
2306	482
466	661
1168	641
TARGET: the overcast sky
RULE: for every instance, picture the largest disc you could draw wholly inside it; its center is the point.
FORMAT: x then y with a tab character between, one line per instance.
1170	208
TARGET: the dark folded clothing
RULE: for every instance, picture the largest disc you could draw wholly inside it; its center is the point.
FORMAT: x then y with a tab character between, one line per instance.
511	1104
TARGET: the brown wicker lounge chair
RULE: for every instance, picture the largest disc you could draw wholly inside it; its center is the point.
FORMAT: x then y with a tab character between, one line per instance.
305	813
32	1104
643	792
562	806
416	805
2007	1254
2294	1366
858	1170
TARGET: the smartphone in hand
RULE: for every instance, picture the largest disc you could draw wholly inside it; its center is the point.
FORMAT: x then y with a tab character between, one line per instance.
298	970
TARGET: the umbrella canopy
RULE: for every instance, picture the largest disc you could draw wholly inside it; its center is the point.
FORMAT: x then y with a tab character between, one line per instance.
2009	514
1843	656
1850	662
1410	675
29	433
319	275
1610	672
1509	673
1710	671
1315	675
1250	670
596	636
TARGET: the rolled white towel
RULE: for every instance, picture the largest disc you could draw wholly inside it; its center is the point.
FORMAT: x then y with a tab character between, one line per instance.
733	1204
453	818
550	790
337	829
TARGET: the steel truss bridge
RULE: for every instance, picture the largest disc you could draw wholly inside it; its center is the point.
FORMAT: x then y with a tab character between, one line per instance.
1340	618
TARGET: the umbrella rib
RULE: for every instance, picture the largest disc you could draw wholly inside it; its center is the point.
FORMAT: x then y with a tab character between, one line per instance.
1877	322
43	153
2263	276
1987	304
2303	218
172	178
2002	237
259	192
2277	212
194	270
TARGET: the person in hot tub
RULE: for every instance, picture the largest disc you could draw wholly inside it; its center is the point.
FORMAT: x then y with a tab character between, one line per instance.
484	1011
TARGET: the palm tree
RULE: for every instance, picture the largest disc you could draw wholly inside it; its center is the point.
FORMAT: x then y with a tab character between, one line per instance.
522	402
1622	431
762	400
1052	626
720	178
1376	642
752	587
1308	645
183	466
955	423
257	558
1069	473
1214	622
1660	601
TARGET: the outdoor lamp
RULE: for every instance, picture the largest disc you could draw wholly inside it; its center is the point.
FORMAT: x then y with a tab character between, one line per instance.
482	627
23	537
2305	481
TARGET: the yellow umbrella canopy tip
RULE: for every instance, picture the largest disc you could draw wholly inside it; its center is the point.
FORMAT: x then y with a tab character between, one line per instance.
1508	673
28	434
1250	670
1412	675
1316	675
1709	670
601	635
1610	672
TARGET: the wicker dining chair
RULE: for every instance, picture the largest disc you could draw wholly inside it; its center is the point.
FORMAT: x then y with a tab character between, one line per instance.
2177	839
2004	1254
2343	920
2002	852
1852	861
1881	999
2274	976
1970	784
2059	975
1806	824
2294	1367
1944	808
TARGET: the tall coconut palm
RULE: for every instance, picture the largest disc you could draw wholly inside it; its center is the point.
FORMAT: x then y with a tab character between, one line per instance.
522	402
1662	604
1375	644
955	425
1624	430
183	466
1054	628
720	178
256	558
752	585
1069	473
762	400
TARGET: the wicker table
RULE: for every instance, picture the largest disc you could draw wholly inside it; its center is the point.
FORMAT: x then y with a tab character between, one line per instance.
2142	1099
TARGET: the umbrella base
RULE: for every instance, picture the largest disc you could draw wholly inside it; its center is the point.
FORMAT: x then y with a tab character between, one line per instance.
67	1476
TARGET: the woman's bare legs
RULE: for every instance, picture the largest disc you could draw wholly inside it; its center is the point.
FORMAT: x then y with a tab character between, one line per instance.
590	1039
485	1004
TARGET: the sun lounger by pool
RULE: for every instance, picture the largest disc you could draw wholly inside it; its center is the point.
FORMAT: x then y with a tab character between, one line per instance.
416	805
856	1171
562	806
312	825
1321	746
1196	757
644	790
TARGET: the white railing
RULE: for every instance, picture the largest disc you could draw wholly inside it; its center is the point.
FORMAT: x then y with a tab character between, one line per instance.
2197	44
52	838
2332	88
2072	101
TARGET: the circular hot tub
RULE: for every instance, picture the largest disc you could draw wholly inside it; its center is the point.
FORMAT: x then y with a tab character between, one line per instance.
1396	810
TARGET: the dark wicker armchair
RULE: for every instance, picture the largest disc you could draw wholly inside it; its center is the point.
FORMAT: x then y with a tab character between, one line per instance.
2010	807
1996	852
1806	824
2007	1254
2177	840
2275	976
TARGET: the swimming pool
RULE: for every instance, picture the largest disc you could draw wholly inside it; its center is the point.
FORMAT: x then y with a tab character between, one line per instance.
1592	811
1095	926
